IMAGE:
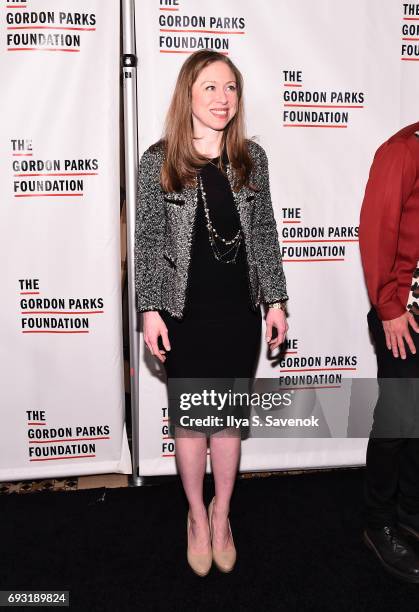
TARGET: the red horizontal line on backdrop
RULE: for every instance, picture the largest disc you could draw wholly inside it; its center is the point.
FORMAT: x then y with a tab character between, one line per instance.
14	6
37	423
311	125
68	457
327	105
68	440
173	454
285	221
42	331
49	28
315	387
57	174
411	18
46	195
201	31
72	312
169	9
410	38
410	59
29	293
317	369
165	51
291	352
22	154
35	49
293	85
326	240
304	260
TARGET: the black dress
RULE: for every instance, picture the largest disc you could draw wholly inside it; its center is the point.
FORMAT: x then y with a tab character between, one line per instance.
219	335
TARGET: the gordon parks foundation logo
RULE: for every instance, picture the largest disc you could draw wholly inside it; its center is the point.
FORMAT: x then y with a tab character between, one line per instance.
306	107
314	243
410	32
55	315
62	442
35	30
168	441
39	177
298	372
184	33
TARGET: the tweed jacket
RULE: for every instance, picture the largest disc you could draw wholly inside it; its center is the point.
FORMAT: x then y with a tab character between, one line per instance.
164	232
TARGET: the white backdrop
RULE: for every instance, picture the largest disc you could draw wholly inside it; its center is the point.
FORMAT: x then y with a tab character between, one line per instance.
61	394
325	84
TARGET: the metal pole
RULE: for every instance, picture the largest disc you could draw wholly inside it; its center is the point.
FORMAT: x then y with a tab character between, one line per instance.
129	68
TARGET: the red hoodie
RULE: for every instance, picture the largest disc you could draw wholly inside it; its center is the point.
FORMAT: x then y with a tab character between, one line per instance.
389	223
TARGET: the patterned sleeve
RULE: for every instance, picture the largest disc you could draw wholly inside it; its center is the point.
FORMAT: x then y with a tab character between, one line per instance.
266	243
149	235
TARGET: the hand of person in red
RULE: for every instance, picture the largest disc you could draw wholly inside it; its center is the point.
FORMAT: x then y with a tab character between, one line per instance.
397	332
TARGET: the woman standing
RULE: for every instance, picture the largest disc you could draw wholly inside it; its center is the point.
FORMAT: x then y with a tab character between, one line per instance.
207	255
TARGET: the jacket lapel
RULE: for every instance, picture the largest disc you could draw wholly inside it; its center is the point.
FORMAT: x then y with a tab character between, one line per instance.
243	199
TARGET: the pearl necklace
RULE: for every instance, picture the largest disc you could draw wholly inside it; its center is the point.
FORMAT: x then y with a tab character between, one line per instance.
233	243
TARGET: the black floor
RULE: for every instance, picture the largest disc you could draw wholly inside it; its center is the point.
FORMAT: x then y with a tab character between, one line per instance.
298	540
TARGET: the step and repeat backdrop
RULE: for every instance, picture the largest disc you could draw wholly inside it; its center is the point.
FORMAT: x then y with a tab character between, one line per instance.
325	84
61	393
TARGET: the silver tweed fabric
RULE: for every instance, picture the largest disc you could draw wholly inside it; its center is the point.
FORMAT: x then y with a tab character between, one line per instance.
164	231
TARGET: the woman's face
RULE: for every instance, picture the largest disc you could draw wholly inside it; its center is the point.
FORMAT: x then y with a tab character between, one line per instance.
214	97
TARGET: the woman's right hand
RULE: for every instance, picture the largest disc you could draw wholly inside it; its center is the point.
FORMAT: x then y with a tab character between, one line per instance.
153	327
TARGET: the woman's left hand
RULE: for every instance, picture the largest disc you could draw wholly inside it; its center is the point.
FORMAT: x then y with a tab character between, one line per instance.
275	318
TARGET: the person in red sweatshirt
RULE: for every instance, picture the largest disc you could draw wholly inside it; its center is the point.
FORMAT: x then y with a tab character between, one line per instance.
389	244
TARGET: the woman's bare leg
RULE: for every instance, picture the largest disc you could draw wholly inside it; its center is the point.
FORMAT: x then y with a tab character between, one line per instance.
191	458
225	455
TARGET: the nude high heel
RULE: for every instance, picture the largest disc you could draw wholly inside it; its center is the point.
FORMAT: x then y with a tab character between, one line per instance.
199	562
223	559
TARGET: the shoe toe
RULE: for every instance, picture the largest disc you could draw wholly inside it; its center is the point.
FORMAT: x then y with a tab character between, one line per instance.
225	560
201	564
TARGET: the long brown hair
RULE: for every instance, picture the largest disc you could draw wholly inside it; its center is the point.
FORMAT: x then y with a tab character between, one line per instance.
182	160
